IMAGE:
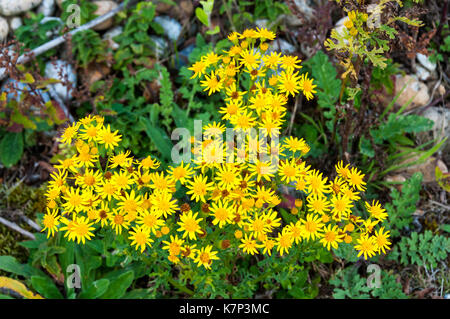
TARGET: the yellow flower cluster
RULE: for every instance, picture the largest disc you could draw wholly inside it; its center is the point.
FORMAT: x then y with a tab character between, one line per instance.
192	207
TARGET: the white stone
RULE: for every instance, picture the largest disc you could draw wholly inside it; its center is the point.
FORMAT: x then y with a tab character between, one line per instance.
15	23
261	23
441	127
422	73
47	8
104	7
283	46
414	89
14	7
61	70
172	28
425	61
160	45
4	29
109	35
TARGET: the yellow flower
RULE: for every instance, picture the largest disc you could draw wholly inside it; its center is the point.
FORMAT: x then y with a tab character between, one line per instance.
249	245
118	221
189	224
162	203
150	221
355	179
318	204
205	256
376	211
51	222
199	187
289	83
82	229
284	241
366	246
331	237
341	206
288	170
212	83
174	245
222	213
110	139
307	86
70	133
312	226
199	69
250	59
381	240
74	200
290	63
316	185
140	237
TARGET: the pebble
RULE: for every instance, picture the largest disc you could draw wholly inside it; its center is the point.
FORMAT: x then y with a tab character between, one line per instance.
15	23
414	89
4	29
52	70
110	34
427	168
425	61
104	7
47	8
15	7
422	73
172	28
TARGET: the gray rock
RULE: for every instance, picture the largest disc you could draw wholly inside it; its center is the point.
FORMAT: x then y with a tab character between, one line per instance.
108	36
4	29
441	128
47	8
425	61
282	45
414	89
172	28
104	7
15	7
19	87
53	70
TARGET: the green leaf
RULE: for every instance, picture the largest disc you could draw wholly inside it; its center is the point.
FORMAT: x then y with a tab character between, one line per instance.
11	148
45	287
445	227
119	286
10	264
97	289
202	16
158	137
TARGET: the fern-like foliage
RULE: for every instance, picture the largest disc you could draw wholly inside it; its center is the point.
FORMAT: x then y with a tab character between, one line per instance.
403	204
421	249
349	284
328	84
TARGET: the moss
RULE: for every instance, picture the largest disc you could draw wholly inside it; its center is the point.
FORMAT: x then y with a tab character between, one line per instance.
30	200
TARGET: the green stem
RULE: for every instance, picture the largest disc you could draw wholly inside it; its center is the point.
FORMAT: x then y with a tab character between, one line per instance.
179	286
